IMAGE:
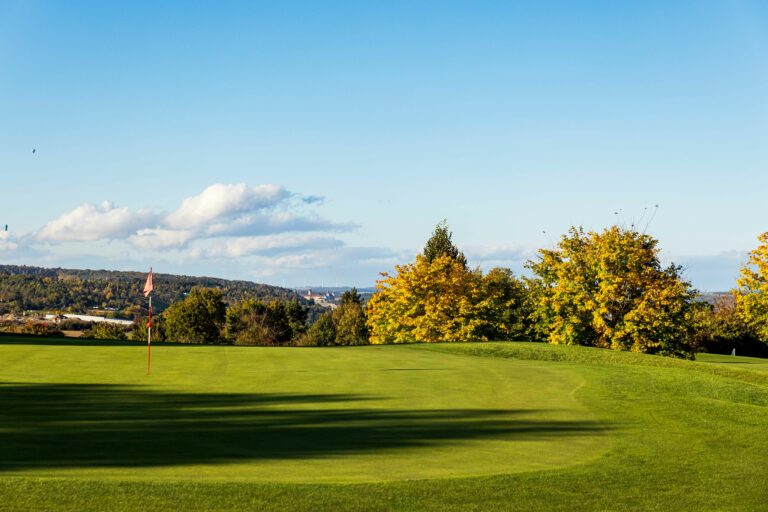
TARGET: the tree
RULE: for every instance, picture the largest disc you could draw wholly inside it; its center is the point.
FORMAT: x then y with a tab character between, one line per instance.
609	289
252	322
350	297
720	328
427	301
504	306
322	333
139	332
197	319
441	244
752	295
349	320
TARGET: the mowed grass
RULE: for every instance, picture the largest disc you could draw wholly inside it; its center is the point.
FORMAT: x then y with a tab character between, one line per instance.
498	426
744	363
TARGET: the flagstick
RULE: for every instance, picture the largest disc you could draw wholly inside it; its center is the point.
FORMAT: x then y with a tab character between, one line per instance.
149	335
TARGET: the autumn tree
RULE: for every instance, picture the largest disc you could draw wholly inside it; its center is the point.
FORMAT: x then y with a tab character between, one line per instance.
427	301
752	295
609	289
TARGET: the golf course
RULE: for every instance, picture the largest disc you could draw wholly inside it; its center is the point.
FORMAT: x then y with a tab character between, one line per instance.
493	426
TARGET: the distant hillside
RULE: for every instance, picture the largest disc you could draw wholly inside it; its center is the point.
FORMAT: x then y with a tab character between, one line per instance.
119	293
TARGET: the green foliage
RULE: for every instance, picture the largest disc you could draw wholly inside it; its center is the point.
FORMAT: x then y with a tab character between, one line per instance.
139	332
349	319
441	244
505	306
322	333
345	325
350	297
720	328
252	322
106	331
197	319
609	290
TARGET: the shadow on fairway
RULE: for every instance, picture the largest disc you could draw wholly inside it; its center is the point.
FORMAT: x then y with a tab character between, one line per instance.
71	426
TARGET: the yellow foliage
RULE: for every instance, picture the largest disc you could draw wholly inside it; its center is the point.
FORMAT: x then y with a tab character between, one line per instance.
609	290
752	296
428	302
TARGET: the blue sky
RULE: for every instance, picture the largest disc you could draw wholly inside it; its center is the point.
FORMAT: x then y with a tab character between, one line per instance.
320	142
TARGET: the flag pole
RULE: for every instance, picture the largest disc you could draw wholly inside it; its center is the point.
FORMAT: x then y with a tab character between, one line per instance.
148	288
149	336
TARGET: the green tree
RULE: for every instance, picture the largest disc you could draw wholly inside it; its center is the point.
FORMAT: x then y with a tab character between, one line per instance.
106	331
752	294
609	289
322	333
252	322
197	319
139	332
441	244
349	320
504	306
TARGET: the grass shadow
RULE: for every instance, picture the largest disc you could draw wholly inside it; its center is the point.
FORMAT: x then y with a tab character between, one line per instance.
80	426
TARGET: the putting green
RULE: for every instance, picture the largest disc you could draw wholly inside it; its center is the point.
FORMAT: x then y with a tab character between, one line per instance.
445	428
286	415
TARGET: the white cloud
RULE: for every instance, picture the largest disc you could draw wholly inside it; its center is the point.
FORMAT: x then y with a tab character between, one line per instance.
275	222
159	238
498	253
339	258
6	243
220	201
89	223
272	245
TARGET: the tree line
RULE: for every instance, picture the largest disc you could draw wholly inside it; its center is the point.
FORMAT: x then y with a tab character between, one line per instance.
117	294
604	289
204	317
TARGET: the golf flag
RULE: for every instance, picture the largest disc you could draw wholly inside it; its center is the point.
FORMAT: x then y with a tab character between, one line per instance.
148	287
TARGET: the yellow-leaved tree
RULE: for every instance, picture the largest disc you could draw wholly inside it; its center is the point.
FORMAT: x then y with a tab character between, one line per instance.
428	302
438	298
608	289
752	295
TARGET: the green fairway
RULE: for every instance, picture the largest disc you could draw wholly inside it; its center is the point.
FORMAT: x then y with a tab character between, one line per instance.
746	363
439	427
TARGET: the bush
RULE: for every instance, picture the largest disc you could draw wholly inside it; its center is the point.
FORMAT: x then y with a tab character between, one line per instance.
39	329
106	331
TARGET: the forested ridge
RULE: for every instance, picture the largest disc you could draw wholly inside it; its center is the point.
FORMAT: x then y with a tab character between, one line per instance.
25	288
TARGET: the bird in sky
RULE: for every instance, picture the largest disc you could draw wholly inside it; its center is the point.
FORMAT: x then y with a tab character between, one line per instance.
34	151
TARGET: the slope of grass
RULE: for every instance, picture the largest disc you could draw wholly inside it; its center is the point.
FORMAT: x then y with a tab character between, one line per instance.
525	427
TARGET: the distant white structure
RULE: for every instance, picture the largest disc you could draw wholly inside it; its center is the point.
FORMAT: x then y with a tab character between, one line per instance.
90	318
327	299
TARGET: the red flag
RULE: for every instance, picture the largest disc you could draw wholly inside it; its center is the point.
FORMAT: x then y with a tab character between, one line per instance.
148	287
